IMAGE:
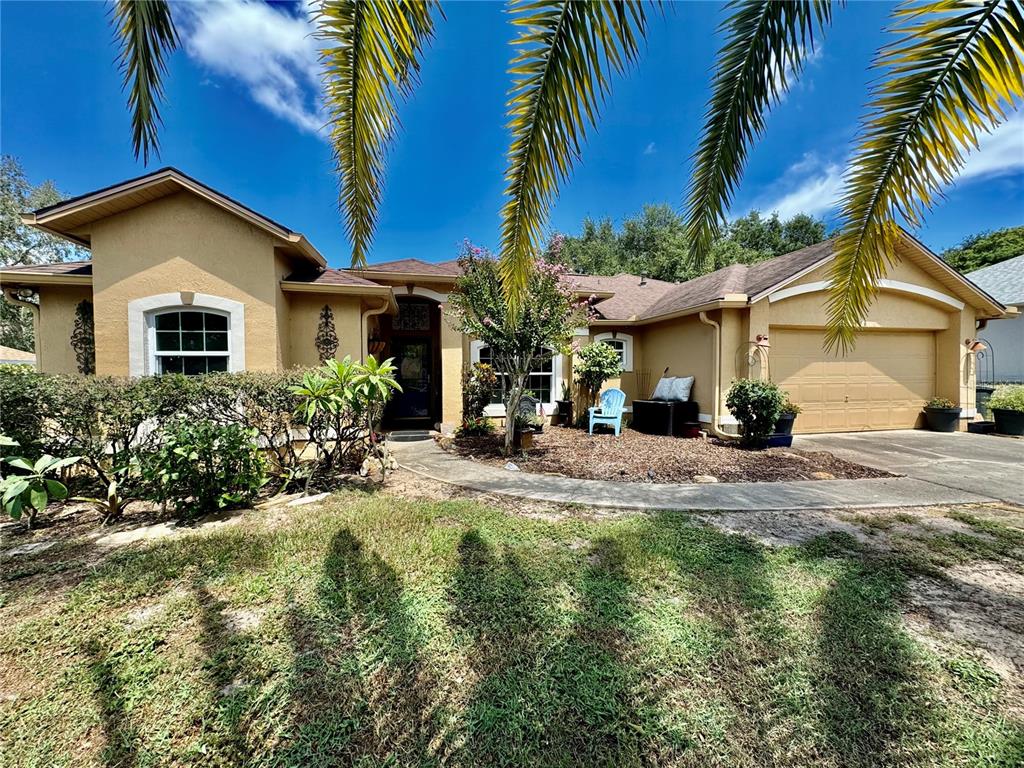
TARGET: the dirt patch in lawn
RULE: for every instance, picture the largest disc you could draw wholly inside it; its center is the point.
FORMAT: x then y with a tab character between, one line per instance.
634	457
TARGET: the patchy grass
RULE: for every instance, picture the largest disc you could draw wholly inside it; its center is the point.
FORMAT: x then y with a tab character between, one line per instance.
379	631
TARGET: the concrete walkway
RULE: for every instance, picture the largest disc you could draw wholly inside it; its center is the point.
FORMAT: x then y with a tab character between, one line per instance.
427	459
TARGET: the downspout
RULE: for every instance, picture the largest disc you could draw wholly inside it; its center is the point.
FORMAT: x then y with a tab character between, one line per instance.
715	378
362	325
11	295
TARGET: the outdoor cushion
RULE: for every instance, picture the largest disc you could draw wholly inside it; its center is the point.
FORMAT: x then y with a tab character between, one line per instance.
681	387
664	389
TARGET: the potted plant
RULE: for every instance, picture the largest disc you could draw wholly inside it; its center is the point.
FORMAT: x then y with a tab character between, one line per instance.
784	424
564	406
1007	404
941	415
524	428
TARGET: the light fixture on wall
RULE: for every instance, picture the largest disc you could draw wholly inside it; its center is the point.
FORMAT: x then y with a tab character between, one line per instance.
975	345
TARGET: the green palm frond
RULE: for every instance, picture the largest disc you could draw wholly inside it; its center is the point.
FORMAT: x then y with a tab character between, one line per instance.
147	34
766	42
371	62
952	74
565	52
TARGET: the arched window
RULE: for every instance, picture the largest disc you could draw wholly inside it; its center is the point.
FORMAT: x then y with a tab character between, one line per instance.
621	343
543	382
189	341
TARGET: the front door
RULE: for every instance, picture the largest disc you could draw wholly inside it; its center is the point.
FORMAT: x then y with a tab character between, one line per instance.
413	407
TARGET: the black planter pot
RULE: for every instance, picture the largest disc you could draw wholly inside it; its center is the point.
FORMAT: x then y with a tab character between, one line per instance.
981	427
784	425
1008	422
780	440
564	412
982	393
942	419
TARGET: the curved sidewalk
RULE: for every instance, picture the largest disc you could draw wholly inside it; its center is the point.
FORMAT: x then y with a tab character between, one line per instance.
427	459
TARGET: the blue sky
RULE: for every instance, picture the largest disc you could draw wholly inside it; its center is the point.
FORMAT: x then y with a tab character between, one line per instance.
242	115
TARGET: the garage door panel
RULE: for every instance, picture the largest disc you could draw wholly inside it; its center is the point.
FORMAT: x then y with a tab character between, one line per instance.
881	384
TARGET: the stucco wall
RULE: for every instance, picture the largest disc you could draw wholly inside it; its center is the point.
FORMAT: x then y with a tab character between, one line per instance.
685	346
56	322
303	313
182	243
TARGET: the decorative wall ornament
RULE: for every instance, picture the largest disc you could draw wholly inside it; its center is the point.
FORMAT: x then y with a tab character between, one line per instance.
83	338
326	337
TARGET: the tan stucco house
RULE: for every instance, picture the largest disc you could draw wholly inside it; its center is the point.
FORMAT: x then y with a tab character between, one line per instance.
183	278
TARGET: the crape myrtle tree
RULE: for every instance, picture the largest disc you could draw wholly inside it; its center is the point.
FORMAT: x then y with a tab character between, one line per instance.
521	341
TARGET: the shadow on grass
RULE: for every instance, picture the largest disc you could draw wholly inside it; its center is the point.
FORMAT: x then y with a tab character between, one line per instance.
360	691
121	748
546	693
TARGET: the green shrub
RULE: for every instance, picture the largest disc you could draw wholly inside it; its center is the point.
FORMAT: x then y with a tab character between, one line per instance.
1009	397
940	402
756	405
473	427
29	490
478	385
201	466
593	365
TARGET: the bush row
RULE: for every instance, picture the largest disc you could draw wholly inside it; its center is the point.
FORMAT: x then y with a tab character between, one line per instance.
194	441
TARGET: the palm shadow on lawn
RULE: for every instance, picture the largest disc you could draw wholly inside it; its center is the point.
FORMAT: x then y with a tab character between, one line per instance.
360	691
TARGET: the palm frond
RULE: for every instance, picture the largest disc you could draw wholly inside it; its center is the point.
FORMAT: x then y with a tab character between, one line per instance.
766	43
147	36
371	61
565	53
951	76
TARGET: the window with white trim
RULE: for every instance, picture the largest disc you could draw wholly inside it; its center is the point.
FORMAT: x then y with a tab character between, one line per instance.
621	343
190	341
542	383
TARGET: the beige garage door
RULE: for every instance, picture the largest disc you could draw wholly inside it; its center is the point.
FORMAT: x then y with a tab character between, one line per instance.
881	384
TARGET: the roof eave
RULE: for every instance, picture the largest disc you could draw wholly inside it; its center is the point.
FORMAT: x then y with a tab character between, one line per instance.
28	279
729	301
382	291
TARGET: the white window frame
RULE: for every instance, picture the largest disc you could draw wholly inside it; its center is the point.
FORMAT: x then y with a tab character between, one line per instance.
151	347
627	347
142	358
498	409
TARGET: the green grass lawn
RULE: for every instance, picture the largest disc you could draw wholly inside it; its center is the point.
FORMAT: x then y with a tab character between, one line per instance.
378	631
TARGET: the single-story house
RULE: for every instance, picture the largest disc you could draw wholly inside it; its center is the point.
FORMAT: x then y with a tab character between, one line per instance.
1004	360
183	278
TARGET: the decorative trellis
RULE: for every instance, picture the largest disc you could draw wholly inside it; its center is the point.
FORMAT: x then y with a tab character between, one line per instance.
326	337
83	338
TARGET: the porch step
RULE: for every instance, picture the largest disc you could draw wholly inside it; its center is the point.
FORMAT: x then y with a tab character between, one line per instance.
409	435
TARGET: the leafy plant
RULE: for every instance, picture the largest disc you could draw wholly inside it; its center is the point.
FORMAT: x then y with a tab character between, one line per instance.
29	492
478	384
940	402
201	466
1009	397
788	406
593	365
756	405
374	384
475	426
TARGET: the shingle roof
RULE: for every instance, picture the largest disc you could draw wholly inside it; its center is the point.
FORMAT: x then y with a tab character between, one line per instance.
1004	281
60	268
330	277
633	294
417	267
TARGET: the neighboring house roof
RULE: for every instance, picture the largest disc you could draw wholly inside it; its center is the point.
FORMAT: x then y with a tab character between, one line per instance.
67	218
17	356
59	268
1005	280
61	273
331	277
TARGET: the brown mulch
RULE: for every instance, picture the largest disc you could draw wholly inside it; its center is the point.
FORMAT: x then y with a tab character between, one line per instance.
634	457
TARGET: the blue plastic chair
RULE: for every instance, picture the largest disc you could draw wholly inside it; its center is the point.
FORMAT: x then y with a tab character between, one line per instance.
610	410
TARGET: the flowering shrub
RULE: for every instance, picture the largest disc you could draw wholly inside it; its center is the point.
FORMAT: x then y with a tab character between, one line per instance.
519	342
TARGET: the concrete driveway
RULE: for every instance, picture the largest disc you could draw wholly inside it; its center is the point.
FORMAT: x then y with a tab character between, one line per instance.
982	464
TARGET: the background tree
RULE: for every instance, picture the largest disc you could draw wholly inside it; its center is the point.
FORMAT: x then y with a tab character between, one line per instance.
654	243
326	336
520	342
24	245
83	338
985	248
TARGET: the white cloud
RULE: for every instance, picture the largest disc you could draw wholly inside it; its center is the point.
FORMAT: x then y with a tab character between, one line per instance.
1000	152
808	186
650	149
272	52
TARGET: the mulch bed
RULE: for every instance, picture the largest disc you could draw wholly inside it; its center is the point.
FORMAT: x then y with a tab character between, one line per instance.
634	457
